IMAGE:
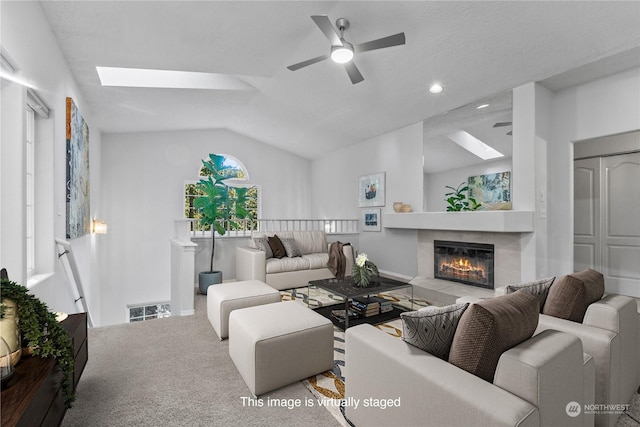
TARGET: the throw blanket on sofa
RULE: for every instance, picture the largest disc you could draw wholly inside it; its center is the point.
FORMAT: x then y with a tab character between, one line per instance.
337	260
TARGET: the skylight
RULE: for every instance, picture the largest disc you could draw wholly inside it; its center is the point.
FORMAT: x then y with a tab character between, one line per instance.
474	145
138	77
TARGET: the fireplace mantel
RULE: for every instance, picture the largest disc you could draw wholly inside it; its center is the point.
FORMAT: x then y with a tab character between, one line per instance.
488	221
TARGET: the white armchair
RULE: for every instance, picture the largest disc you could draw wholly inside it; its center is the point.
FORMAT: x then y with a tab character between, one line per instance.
610	333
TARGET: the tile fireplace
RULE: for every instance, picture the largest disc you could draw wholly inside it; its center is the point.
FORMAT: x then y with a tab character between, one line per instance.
506	254
464	262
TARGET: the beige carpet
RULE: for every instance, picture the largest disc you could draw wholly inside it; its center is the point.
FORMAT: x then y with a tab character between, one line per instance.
175	372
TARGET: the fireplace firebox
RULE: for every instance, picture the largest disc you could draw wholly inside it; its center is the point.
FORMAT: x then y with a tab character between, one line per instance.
464	262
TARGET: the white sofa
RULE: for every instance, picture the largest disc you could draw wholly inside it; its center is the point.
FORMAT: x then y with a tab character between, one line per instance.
287	273
534	383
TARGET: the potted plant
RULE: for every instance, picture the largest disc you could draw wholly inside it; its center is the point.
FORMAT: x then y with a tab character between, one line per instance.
362	271
219	206
458	200
39	327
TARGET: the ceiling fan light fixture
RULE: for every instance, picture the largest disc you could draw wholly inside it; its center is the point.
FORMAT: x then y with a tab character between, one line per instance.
342	54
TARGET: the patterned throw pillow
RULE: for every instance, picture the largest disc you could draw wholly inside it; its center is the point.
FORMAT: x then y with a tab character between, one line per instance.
263	244
276	247
432	328
539	289
291	247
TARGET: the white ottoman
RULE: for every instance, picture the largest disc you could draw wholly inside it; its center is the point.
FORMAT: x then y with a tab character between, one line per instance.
224	298
274	345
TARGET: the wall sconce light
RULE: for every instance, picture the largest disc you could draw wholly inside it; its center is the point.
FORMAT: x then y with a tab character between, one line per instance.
99	226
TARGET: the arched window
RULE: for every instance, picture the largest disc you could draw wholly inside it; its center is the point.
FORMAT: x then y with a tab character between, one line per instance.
241	179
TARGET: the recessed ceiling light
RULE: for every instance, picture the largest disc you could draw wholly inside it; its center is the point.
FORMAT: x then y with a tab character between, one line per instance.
474	145
435	88
480	107
139	77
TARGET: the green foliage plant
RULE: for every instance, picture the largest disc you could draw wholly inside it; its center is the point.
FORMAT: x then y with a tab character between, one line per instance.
362	271
458	200
39	327
220	205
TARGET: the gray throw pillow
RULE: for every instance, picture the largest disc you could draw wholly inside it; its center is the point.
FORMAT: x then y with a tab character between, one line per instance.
263	244
538	288
432	328
291	247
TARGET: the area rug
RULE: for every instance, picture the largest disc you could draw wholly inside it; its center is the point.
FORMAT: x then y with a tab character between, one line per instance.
328	387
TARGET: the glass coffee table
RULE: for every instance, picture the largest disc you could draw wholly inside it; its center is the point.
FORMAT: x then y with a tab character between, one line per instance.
345	289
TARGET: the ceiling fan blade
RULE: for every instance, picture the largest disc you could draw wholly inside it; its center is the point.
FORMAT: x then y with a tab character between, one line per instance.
501	124
302	64
394	40
354	73
322	21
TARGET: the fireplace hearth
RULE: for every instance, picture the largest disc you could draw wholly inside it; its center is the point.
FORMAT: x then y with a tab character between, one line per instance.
464	262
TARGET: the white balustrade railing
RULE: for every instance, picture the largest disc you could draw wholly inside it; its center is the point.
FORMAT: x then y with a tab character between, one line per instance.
329	226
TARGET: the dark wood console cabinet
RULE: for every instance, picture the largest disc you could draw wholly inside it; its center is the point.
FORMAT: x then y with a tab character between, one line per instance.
34	395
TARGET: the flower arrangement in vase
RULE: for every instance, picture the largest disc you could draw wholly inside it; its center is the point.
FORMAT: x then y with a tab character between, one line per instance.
363	270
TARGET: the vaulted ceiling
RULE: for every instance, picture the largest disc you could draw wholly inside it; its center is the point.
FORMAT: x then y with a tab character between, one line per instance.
474	49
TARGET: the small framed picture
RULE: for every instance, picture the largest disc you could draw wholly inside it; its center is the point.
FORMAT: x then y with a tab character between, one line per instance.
371	219
371	190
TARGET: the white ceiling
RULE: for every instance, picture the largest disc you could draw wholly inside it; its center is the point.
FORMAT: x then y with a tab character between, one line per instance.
474	49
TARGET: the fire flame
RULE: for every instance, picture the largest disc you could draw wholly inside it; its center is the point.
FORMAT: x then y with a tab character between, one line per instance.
462	268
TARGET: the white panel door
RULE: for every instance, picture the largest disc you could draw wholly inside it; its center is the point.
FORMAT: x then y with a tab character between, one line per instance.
620	223
586	215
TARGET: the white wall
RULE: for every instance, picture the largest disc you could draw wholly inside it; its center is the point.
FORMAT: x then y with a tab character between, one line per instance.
143	194
28	41
335	191
603	107
435	187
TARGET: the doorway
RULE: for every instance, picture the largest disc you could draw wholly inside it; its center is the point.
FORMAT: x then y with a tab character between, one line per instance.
607	210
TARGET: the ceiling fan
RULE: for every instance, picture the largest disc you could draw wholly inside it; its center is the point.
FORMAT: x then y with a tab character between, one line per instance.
343	51
502	124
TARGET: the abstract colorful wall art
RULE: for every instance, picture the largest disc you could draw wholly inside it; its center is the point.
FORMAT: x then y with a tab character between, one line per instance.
493	190
77	192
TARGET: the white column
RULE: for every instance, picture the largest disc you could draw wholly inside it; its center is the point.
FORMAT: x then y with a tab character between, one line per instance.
183	252
532	106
